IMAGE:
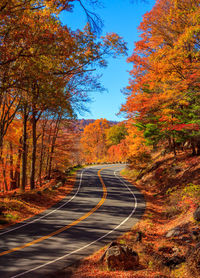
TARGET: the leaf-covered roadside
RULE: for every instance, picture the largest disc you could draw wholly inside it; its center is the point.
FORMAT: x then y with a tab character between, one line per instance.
16	207
172	192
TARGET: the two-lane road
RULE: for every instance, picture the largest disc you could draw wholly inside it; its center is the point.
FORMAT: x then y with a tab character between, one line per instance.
101	206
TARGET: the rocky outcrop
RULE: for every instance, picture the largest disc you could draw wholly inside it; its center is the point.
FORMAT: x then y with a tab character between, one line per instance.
174	261
120	257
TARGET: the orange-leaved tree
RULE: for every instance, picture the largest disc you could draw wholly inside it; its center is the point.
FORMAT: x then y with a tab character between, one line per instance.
163	96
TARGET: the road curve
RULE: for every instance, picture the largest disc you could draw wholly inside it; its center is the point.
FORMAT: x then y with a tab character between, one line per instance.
101	207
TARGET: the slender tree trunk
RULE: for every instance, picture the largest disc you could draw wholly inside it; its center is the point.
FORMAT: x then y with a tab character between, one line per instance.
193	148
53	146
41	155
12	181
11	161
48	150
4	173
17	169
24	149
1	163
198	148
34	148
174	147
170	143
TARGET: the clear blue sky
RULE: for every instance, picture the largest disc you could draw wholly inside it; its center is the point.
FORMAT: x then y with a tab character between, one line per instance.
122	17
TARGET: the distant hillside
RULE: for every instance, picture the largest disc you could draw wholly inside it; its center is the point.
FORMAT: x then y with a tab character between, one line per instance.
82	123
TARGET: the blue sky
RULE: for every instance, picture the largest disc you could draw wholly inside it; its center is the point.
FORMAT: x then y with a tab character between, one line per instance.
122	17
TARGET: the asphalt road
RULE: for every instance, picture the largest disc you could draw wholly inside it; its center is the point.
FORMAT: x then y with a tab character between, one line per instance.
101	207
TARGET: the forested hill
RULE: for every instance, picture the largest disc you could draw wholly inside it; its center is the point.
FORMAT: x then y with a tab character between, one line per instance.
82	123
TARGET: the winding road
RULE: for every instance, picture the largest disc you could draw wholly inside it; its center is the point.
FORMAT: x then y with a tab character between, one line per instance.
101	206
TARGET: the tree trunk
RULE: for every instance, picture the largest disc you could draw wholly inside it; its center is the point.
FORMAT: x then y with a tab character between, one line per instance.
53	146
41	154
1	162
34	148
193	148
48	150
4	165
12	181
174	147
17	169
170	143
198	148
24	149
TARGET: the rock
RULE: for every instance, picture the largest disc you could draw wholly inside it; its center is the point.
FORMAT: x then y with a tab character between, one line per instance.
177	169
173	232
58	184
139	237
196	214
174	261
121	257
186	239
176	250
195	235
166	249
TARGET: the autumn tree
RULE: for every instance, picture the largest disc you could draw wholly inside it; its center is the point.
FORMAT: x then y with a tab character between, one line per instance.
115	134
165	76
45	67
93	141
116	143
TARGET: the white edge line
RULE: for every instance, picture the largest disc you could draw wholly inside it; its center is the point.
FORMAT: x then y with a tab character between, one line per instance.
23	225
98	239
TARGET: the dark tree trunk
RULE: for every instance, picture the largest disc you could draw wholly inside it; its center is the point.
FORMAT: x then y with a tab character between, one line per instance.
12	181
17	169
198	148
41	154
4	164
1	161
193	148
174	147
34	148
48	150
53	146
24	149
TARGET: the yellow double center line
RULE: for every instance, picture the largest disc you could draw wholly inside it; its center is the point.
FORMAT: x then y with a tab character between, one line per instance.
65	227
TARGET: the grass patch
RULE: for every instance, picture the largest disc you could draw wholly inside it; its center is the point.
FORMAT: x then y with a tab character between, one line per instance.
74	169
130	173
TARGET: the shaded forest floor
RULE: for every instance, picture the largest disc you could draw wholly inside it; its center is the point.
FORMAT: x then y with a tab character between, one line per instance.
172	192
16	207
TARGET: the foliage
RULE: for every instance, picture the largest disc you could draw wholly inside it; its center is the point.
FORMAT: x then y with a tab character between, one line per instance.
93	141
186	198
163	94
45	77
115	134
